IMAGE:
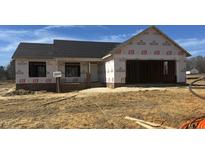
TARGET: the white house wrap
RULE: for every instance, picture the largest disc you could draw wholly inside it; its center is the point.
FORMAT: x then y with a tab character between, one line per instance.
148	57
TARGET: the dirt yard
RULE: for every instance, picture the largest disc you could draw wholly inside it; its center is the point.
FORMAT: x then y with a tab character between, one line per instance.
192	77
98	107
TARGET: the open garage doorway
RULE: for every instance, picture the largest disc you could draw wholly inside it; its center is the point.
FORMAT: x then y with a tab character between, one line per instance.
150	71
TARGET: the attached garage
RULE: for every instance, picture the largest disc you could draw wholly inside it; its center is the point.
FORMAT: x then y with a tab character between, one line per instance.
150	57
150	71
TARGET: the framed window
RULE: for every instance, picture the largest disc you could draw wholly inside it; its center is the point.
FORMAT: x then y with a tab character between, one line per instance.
37	69
72	69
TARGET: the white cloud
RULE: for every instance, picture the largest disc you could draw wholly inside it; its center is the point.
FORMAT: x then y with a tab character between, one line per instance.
191	42
51	27
10	47
114	38
10	35
62	26
119	37
13	37
195	46
13	32
198	52
46	35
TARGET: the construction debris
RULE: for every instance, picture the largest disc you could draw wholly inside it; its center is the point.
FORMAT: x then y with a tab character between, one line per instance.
194	123
147	124
19	92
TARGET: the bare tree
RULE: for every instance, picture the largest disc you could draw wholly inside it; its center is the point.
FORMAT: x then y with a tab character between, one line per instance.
10	71
196	62
2	73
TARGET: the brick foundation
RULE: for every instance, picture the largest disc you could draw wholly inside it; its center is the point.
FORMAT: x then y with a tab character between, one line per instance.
65	87
37	86
79	86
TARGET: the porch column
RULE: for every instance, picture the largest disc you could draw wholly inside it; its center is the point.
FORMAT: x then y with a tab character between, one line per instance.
89	68
89	72
56	65
58	79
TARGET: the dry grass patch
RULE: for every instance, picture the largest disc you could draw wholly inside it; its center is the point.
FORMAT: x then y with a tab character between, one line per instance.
168	106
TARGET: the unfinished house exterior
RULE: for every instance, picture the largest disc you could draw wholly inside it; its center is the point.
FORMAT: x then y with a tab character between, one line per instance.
149	57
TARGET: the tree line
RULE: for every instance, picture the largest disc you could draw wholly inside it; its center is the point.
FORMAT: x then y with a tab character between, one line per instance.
197	62
7	72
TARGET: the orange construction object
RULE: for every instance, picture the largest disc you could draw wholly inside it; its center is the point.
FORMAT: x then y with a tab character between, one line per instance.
196	123
201	124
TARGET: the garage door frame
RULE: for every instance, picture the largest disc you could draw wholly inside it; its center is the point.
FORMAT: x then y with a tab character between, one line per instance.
150	71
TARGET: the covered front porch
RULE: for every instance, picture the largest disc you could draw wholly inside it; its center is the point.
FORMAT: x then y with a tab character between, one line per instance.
80	73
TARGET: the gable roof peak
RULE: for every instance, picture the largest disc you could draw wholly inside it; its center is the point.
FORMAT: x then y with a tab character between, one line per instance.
159	31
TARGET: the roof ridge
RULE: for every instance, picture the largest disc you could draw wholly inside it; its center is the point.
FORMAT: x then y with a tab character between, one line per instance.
33	43
85	41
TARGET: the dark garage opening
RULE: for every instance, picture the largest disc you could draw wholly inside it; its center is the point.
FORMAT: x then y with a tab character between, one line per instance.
150	71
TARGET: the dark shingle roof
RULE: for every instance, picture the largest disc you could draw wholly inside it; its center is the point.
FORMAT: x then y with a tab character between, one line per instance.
62	48
34	50
82	49
77	49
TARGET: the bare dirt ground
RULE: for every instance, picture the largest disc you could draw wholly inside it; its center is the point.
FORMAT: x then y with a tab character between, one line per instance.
192	77
98	107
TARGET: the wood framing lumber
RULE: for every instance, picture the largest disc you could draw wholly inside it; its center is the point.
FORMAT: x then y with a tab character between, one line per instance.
147	124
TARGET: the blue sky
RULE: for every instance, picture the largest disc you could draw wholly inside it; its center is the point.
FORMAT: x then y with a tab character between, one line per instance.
191	38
